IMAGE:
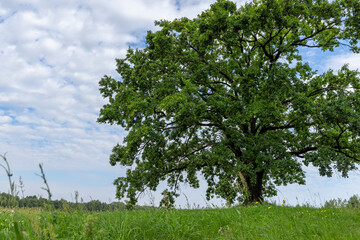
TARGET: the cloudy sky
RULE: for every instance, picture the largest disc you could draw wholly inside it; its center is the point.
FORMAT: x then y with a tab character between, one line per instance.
52	55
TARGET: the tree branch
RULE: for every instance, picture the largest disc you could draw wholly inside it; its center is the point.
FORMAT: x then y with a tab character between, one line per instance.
347	155
271	128
302	151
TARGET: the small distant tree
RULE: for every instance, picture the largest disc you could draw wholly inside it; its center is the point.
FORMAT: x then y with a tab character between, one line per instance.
227	95
354	202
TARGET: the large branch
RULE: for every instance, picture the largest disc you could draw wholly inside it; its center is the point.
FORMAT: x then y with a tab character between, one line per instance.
272	128
347	155
182	166
303	151
300	41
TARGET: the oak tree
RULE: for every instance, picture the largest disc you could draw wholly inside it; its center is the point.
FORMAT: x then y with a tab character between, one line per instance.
227	96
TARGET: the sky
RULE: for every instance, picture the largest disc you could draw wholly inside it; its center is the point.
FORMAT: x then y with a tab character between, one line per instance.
52	56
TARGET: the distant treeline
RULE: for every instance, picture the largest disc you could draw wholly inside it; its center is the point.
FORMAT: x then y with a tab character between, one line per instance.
9	201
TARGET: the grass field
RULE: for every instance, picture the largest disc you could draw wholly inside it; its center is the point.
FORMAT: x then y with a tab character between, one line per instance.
255	222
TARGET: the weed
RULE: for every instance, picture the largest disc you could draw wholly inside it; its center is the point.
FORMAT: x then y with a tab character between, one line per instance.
9	174
42	175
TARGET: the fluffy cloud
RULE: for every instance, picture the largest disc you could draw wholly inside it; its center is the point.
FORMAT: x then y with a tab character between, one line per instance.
337	61
53	56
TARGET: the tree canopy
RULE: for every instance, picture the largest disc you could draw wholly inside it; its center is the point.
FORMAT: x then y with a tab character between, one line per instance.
226	95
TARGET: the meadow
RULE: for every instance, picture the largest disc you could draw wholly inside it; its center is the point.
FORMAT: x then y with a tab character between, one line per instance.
252	222
33	217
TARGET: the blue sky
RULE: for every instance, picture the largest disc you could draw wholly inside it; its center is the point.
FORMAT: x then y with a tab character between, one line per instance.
52	55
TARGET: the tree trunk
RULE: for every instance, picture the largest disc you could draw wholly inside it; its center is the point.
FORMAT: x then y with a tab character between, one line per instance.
254	190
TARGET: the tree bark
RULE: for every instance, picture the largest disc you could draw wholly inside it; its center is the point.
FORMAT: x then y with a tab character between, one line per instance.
254	190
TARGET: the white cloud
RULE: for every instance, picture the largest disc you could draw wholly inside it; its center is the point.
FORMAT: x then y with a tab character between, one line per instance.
337	61
54	55
5	119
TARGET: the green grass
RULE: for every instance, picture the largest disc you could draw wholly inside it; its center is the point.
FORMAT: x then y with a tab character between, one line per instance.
255	222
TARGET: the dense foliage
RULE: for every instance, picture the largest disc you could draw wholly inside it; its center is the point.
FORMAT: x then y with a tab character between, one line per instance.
227	95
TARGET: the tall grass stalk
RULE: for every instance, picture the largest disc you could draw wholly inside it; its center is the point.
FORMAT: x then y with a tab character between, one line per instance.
9	174
42	175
